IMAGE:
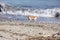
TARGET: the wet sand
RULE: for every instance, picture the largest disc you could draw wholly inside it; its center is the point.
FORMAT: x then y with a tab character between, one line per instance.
17	30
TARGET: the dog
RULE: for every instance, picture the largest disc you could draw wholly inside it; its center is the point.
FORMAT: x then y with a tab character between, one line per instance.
32	17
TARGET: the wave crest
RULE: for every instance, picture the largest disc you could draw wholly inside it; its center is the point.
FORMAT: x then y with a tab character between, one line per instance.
8	9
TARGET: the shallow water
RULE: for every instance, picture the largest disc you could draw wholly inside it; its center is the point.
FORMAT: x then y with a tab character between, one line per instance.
25	19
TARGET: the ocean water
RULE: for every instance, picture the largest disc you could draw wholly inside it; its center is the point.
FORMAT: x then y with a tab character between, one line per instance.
20	9
34	3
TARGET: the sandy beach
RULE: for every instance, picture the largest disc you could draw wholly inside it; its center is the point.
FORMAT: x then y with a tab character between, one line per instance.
17	30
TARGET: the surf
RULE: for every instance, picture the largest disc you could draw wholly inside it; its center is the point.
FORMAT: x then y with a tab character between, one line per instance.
9	9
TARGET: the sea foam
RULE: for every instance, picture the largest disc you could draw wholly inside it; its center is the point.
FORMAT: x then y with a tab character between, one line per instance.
9	9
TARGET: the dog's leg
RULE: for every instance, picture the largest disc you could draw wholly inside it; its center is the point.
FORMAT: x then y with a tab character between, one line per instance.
35	19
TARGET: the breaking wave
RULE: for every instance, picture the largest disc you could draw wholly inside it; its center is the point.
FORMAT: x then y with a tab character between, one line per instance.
8	9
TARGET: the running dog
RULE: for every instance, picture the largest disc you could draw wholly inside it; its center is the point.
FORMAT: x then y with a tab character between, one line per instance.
32	17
